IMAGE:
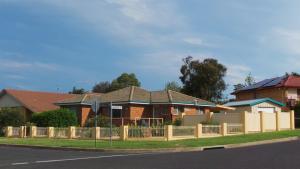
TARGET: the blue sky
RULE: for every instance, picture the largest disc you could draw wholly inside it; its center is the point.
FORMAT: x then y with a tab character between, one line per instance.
57	44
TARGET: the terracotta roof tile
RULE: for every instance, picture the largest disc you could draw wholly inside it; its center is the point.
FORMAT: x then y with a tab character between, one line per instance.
37	101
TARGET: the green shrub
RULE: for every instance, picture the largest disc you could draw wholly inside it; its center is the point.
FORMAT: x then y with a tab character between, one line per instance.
55	118
102	121
210	122
10	117
177	122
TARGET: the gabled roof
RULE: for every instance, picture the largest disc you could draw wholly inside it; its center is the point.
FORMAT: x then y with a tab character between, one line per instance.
283	81
253	102
37	101
87	99
138	95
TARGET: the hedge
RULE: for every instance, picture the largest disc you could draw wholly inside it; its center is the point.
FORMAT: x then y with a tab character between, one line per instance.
55	118
10	117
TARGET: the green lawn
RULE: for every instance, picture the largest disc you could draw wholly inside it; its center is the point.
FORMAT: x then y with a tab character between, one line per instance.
150	144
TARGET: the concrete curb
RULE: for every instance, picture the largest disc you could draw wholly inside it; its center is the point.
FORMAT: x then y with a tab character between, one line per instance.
161	150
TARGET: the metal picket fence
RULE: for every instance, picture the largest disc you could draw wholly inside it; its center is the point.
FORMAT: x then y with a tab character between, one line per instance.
211	129
234	128
105	133
61	132
184	131
41	132
84	132
145	132
16	131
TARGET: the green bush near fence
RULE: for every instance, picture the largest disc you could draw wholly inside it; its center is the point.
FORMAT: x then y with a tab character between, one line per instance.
55	118
102	121
10	117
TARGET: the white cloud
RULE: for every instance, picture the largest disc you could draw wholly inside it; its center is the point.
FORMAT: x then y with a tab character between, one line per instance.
23	65
194	41
287	40
236	73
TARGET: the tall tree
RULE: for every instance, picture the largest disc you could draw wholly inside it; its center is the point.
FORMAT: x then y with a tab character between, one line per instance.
238	86
203	79
173	86
102	87
125	80
77	91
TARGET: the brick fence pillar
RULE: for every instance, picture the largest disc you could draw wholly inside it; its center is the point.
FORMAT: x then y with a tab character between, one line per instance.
292	119
245	122
168	132
124	133
198	131
262	122
72	131
224	129
50	132
8	131
32	131
277	121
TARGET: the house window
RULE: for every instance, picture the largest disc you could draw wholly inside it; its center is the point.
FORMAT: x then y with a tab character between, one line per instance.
200	111
116	113
178	109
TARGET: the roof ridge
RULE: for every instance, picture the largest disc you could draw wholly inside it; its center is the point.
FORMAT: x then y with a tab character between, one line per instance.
170	96
131	93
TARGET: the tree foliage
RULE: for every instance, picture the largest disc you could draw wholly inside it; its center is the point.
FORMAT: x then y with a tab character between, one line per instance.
249	80
102	87
77	91
203	79
173	86
55	118
11	117
124	80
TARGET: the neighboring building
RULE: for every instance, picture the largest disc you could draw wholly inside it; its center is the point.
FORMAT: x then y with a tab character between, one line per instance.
266	105
139	103
29	102
285	89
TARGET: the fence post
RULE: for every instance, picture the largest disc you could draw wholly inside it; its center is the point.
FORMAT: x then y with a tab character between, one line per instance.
292	119
71	132
262	122
245	122
277	121
22	132
8	131
124	133
96	132
224	129
168	132
198	132
50	132
32	131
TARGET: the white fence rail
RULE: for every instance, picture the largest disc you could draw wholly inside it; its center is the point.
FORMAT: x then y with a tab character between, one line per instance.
179	131
211	129
234	128
145	132
41	132
105	133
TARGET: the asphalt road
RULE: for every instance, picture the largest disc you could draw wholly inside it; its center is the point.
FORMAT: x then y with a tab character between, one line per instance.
272	156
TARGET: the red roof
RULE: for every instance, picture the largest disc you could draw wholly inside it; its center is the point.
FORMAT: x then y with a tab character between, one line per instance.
37	101
291	81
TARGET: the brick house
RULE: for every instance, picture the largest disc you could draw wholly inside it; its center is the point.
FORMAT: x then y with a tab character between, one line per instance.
285	89
138	103
29	102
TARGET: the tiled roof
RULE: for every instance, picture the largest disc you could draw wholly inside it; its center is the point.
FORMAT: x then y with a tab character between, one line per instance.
81	99
252	102
138	95
37	101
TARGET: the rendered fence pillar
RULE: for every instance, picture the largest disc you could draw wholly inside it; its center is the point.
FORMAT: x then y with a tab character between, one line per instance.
292	119
50	132
32	131
124	133
224	129
277	121
22	131
8	131
168	132
72	131
262	122
96	133
198	131
245	122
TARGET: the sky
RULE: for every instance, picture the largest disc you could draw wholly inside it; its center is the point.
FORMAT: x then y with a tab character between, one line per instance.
53	45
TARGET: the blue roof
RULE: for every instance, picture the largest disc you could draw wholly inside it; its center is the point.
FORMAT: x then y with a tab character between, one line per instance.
253	102
264	83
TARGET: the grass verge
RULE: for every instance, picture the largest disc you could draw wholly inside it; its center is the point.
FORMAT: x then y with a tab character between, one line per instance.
150	144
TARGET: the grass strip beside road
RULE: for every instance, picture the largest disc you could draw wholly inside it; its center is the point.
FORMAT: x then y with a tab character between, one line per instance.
140	144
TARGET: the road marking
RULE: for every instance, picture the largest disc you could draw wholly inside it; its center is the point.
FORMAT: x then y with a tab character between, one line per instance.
23	163
80	158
